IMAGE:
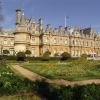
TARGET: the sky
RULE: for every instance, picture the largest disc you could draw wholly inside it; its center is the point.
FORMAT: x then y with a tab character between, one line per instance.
81	13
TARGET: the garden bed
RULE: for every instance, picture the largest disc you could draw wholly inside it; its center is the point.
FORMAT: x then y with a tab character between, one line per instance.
72	71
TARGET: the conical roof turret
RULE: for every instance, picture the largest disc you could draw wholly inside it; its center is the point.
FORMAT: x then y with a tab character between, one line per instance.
22	20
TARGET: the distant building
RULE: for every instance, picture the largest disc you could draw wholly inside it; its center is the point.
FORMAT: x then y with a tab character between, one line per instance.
29	36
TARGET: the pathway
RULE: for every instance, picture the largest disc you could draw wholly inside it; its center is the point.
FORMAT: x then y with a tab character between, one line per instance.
33	77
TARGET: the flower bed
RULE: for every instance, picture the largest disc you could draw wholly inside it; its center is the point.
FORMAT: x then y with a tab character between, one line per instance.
73	71
47	66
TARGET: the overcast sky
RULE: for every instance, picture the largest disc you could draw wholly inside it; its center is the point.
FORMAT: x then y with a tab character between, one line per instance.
81	13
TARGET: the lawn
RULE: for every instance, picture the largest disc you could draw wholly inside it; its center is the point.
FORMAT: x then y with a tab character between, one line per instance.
68	70
14	86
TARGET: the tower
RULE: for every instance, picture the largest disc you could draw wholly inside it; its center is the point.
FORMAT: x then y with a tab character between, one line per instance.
21	35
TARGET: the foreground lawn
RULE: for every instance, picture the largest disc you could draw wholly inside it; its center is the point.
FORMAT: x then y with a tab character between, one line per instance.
72	71
14	84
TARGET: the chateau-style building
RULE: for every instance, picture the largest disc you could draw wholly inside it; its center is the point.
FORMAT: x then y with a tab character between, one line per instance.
29	36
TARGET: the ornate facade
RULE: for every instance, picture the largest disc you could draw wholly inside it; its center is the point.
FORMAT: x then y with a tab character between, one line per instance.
29	36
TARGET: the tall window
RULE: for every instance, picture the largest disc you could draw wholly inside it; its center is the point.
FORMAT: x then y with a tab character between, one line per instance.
87	52
66	41
33	39
55	51
60	41
33	50
55	40
76	42
47	40
82	51
76	53
79	53
12	41
79	42
87	43
61	51
73	52
5	41
11	51
73	42
27	37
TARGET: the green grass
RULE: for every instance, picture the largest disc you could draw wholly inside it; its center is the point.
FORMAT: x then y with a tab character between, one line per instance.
92	72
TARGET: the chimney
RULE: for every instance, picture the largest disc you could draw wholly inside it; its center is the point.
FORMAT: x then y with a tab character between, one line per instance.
18	16
48	27
40	23
60	28
66	28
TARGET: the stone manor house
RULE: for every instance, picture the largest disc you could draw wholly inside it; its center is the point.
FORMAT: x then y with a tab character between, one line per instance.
31	36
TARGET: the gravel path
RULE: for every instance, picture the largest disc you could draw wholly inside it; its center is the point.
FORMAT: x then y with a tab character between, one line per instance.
33	77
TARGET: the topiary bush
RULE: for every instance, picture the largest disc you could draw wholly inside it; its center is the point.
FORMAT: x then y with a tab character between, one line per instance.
48	52
27	52
6	52
65	56
84	56
20	56
46	56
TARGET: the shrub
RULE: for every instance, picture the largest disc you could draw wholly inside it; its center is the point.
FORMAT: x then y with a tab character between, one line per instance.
11	58
48	52
45	57
56	54
65	56
27	52
6	52
84	56
20	56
